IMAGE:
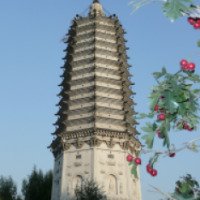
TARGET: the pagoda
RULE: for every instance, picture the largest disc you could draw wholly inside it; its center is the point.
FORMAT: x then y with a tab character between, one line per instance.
95	129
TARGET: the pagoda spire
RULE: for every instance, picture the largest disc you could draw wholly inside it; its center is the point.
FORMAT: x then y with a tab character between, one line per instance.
96	8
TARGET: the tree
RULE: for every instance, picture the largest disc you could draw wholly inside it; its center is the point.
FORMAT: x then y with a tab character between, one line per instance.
187	188
37	185
89	190
8	189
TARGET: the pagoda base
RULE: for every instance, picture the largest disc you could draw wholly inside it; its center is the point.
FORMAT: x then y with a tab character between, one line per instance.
106	166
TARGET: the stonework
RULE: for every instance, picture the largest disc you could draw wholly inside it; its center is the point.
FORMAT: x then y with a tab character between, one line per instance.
95	129
108	167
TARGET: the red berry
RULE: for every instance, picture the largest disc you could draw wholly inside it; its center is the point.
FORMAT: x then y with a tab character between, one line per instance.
159	134
162	97
172	154
154	172
196	25
198	21
185	126
129	158
191	66
184	64
149	168
191	20
138	161
190	129
156	107
161	117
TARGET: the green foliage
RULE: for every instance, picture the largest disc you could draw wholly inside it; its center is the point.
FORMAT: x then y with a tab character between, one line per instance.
174	9
176	96
89	190
149	138
37	186
133	168
8	189
198	43
134	171
187	188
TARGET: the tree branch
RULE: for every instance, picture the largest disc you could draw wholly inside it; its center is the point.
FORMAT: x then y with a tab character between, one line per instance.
188	145
163	193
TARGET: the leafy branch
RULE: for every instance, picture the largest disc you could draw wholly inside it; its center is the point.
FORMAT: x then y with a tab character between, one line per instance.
173	106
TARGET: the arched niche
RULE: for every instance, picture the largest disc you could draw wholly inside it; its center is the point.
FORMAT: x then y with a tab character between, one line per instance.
77	181
112	184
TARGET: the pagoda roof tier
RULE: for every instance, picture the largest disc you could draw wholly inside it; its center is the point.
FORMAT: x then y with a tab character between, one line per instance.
95	90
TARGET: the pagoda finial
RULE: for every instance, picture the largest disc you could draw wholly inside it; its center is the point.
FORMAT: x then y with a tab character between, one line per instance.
96	8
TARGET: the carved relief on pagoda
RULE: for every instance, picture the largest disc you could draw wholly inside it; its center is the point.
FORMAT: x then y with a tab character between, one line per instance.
125	144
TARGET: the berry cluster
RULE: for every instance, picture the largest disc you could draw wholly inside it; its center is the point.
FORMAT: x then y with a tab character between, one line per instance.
195	22
137	160
149	167
187	66
161	116
151	170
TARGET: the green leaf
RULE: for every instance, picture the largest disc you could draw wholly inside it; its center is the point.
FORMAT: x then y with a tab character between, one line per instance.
165	128
198	43
166	142
134	171
174	9
149	138
158	75
131	163
194	78
148	128
196	91
144	115
170	102
184	187
164	71
155	126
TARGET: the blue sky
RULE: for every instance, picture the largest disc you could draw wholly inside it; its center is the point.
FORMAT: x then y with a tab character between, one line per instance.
31	55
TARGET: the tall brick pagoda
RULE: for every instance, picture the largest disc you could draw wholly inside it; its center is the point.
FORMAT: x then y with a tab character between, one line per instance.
95	129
